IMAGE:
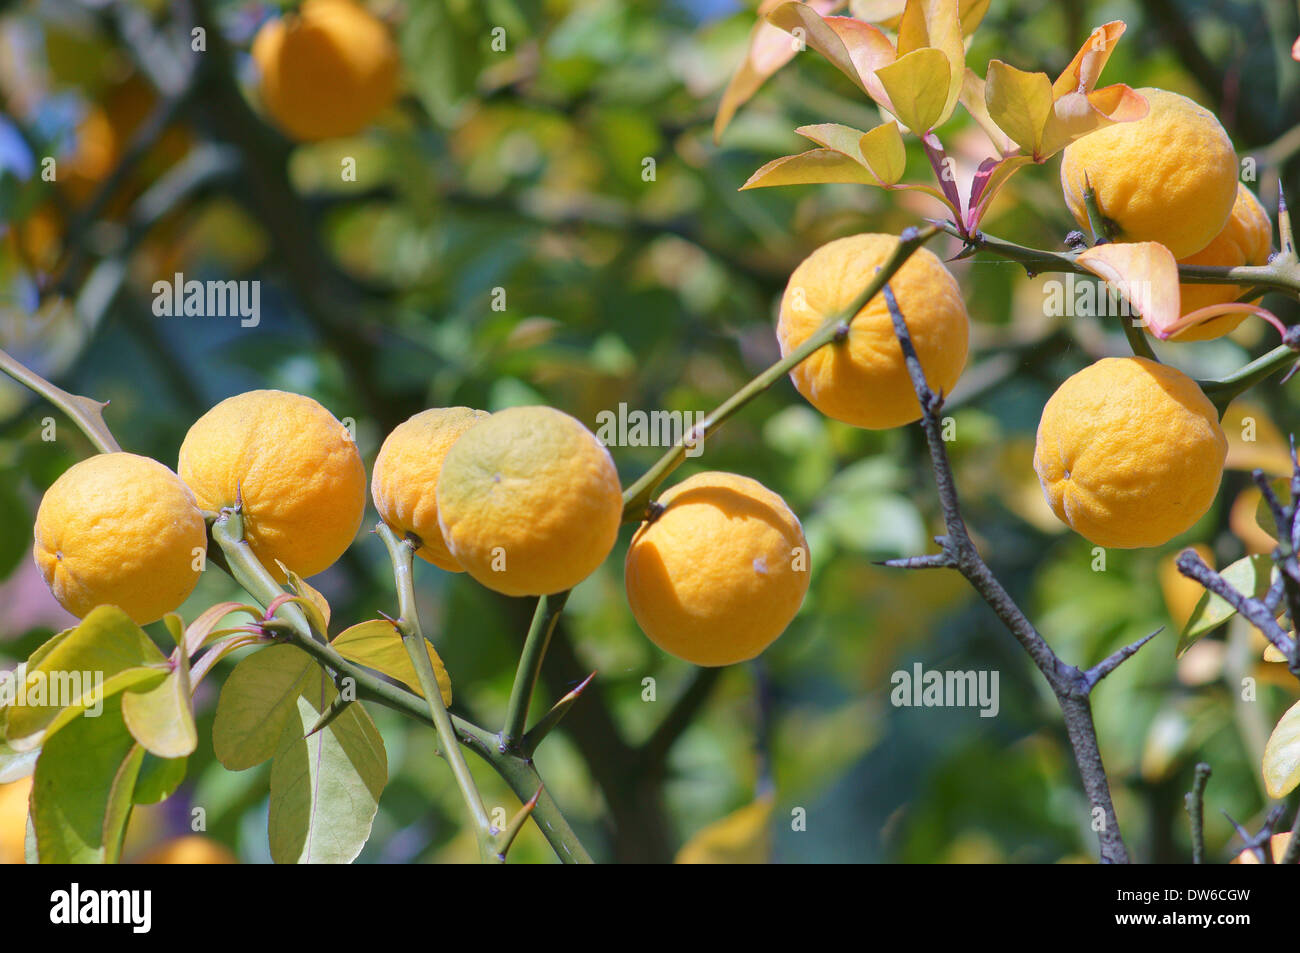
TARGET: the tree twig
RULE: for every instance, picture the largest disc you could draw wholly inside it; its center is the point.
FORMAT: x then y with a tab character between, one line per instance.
1194	800
1070	685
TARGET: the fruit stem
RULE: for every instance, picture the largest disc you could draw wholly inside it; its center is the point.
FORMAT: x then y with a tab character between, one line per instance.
408	626
545	618
637	497
87	414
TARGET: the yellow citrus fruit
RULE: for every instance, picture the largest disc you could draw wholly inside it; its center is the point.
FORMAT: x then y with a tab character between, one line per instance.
123	530
1247	239
722	570
293	465
404	481
529	501
13	820
863	380
188	849
1169	177
327	70
1277	844
1129	452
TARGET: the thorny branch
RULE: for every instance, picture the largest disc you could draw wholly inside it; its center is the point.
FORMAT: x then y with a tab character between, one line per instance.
1070	685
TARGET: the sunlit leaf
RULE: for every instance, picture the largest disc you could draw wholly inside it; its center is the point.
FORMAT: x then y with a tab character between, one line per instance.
1074	115
324	789
933	25
81	797
106	644
1250	576
880	150
816	167
769	48
1273	654
162	718
918	85
1019	103
973	97
855	48
1085	69
1145	274
256	701
1282	755
376	644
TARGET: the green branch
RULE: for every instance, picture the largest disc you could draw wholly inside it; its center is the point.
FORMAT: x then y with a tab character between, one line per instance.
538	639
87	414
637	497
1279	275
408	626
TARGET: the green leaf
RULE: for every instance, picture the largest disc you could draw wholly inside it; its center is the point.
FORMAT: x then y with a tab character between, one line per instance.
377	644
325	789
159	778
81	795
1282	755
106	645
1250	576
256	701
162	718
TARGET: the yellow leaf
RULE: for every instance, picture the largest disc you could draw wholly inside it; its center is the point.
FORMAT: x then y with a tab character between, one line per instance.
810	168
972	96
855	48
742	837
1273	654
1282	755
377	644
1085	69
1074	115
918	86
769	49
1019	102
935	24
1145	274
881	150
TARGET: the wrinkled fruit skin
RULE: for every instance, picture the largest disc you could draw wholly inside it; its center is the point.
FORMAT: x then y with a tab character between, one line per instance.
120	529
1130	453
1247	239
863	380
327	71
1169	177
296	469
404	480
720	573
529	501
